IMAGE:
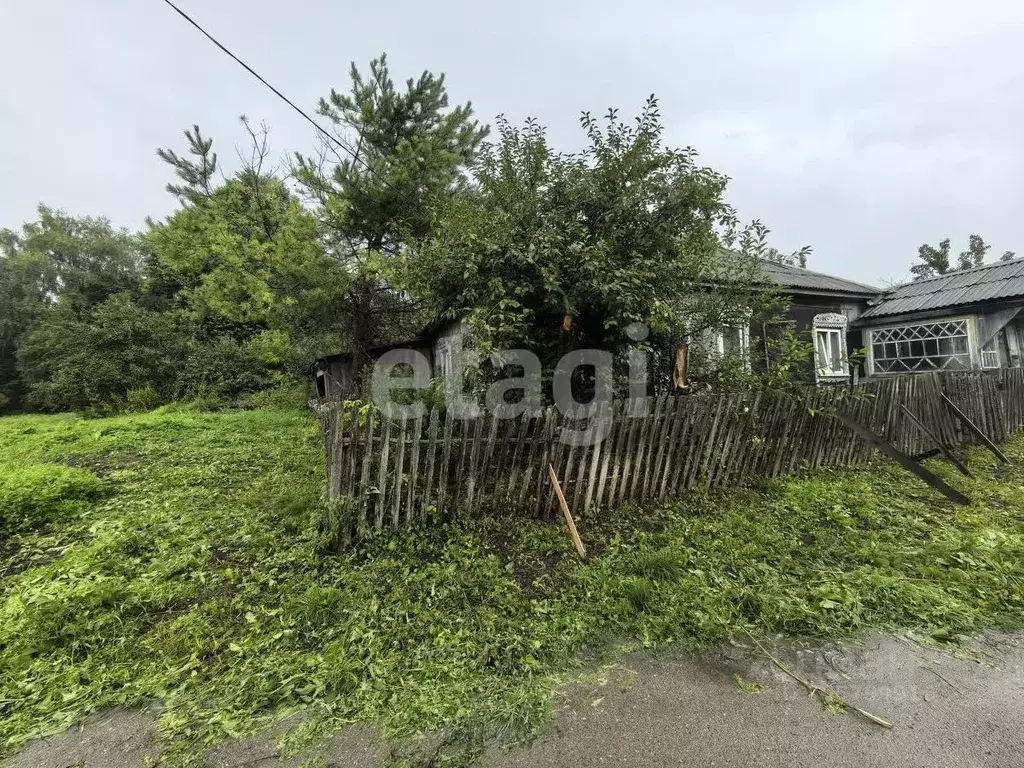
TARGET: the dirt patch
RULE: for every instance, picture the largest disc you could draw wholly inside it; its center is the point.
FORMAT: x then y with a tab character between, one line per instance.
355	746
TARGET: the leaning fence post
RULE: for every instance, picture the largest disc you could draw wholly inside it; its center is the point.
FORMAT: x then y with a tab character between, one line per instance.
577	542
904	461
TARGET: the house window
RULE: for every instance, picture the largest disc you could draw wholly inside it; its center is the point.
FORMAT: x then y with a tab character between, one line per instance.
777	335
990	354
733	341
829	352
444	365
830	345
924	347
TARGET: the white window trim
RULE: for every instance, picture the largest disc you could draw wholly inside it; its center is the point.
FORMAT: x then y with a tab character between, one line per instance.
972	341
825	366
444	359
831	322
990	351
744	333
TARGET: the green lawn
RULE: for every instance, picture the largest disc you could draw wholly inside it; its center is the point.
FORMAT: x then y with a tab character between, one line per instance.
173	556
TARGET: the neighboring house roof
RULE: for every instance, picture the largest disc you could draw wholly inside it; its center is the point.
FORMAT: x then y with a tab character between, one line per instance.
375	349
797	279
788	278
1000	281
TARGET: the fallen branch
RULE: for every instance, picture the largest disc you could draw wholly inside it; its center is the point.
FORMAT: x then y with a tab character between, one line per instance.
817	690
938	675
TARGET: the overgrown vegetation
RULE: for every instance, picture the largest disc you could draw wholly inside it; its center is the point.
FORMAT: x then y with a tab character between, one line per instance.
199	582
41	493
406	215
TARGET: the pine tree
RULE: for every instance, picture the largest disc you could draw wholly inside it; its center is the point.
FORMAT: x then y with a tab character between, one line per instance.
406	153
197	174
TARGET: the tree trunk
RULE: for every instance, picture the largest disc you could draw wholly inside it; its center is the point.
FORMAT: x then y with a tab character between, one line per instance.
361	330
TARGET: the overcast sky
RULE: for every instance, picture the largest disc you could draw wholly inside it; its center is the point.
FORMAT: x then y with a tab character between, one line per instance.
862	129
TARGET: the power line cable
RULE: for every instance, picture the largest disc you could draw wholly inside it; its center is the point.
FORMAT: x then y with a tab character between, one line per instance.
278	93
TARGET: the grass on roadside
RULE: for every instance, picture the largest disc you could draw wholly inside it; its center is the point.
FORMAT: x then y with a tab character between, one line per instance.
192	576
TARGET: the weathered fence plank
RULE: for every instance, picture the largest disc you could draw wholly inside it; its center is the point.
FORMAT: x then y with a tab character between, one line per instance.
657	448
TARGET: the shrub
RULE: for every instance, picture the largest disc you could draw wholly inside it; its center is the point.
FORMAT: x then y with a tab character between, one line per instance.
142	400
69	362
221	368
40	493
290	395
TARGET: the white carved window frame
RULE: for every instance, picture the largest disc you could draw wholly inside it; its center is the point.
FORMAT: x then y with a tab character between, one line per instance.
949	345
831	357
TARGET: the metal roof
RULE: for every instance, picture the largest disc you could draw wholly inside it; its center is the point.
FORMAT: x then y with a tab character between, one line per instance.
797	278
1002	280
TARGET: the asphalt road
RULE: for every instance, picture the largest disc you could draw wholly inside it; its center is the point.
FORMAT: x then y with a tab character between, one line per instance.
683	709
686	710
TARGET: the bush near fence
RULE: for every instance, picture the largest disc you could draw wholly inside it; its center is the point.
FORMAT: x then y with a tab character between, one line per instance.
400	472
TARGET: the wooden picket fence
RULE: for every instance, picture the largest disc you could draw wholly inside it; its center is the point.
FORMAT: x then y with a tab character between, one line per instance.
398	472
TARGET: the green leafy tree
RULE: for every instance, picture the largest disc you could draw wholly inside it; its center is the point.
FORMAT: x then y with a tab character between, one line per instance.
974	256
936	261
407	153
58	261
551	251
81	260
71	360
243	257
22	301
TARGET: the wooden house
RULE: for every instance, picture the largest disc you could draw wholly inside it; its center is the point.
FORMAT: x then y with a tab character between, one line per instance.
963	320
821	308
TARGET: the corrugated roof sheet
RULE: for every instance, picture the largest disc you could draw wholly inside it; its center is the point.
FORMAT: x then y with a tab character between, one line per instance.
1002	280
796	278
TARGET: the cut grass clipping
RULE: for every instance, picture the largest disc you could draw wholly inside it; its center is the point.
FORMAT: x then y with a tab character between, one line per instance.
44	493
202	582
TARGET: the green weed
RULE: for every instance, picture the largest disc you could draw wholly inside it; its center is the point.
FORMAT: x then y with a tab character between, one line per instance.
748	686
215	581
42	493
